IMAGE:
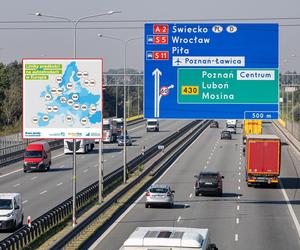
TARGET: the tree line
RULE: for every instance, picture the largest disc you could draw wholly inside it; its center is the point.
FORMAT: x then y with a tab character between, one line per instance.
11	96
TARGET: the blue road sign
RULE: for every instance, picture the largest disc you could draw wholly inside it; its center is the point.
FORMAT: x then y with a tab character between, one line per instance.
211	71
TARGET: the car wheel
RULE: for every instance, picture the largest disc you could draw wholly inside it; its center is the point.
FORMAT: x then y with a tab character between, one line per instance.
147	205
171	205
14	226
220	193
196	194
24	170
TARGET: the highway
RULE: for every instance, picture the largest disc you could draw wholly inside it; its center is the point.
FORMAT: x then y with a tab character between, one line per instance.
42	191
244	218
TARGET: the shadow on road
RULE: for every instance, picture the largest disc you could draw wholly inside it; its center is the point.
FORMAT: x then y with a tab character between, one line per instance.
59	169
290	182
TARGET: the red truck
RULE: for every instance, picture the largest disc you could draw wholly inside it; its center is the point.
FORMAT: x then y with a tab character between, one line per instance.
263	155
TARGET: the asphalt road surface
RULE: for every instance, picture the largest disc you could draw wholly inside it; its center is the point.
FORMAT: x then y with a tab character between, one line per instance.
42	191
245	218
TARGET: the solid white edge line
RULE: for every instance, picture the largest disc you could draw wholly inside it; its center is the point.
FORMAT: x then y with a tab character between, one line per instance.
291	210
237	220
96	243
19	170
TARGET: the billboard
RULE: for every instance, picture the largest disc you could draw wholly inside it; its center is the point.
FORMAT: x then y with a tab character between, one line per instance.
62	98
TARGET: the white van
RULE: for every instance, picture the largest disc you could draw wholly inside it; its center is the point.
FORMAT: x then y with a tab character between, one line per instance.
165	238
11	211
152	125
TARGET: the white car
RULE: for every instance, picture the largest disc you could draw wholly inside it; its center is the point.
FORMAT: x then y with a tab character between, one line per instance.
11	211
160	195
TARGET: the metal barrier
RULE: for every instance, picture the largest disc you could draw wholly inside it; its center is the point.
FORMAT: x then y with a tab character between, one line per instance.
14	153
182	145
45	222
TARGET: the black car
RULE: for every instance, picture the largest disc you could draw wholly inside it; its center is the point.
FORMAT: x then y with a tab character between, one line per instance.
226	135
209	183
214	124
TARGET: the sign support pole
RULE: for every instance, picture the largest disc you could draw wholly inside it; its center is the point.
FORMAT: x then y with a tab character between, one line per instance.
100	172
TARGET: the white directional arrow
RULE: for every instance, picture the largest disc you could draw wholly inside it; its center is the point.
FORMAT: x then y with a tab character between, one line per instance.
156	73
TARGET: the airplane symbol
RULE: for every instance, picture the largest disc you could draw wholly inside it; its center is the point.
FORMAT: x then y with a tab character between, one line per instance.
178	61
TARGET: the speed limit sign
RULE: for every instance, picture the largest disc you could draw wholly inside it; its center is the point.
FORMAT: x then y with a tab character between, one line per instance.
164	91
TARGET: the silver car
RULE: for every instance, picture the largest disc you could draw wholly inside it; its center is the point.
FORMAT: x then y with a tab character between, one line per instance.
159	195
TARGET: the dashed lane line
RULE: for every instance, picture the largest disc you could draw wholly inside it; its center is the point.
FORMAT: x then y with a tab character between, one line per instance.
45	191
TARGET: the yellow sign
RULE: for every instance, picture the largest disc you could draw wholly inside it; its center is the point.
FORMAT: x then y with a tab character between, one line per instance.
190	90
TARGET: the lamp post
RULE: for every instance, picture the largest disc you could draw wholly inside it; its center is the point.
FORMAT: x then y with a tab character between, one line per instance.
125	43
75	24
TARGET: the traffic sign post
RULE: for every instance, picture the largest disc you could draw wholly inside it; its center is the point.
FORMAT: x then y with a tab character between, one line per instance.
211	71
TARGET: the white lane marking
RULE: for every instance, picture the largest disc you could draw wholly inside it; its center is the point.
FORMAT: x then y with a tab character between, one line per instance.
45	191
207	162
239	188
16	171
239	173
240	158
240	163
236	237
17	185
179	218
96	243
191	194
239	180
291	210
59	184
238	208
239	197
19	170
209	157
237	220
205	167
112	156
240	168
33	178
23	202
84	171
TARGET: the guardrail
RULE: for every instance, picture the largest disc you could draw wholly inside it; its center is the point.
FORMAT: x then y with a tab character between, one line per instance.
55	216
175	151
15	152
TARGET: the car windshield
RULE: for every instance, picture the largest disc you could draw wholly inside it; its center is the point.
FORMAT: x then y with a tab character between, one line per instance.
6	204
106	127
122	137
33	154
158	190
152	123
226	132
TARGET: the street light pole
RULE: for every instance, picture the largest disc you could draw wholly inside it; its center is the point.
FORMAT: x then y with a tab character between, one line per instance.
125	43
75	24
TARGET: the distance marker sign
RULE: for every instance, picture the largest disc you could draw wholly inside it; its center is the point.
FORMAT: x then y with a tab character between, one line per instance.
211	71
62	98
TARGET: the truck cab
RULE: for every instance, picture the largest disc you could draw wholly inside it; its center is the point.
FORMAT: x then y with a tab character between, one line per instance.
152	125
